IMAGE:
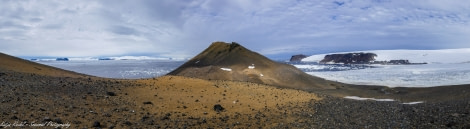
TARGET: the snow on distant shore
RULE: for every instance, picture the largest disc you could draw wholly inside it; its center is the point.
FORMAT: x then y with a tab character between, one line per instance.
414	56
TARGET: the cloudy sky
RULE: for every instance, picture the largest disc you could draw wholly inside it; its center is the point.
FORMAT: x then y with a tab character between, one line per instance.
183	28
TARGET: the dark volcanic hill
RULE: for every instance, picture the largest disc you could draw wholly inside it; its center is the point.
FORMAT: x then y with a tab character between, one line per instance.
231	61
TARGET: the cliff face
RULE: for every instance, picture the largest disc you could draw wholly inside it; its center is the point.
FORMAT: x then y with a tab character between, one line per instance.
297	58
350	58
231	61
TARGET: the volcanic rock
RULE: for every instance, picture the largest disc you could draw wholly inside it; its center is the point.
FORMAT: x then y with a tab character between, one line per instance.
233	62
218	108
297	58
111	93
96	124
350	58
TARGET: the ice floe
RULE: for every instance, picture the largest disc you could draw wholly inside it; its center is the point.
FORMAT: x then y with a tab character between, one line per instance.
428	75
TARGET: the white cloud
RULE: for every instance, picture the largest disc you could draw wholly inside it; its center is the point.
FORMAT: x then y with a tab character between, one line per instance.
183	29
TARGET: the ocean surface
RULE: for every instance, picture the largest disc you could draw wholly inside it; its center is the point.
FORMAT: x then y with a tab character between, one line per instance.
426	75
123	69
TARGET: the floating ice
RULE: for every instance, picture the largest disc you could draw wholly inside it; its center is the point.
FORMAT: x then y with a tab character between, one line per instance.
427	75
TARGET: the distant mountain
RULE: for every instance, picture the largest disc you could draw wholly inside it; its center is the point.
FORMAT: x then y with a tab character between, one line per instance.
231	61
413	56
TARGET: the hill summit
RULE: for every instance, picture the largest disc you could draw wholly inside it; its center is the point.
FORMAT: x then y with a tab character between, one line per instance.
231	61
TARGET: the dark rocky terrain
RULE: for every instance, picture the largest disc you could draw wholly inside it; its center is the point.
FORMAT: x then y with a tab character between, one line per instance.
297	58
335	112
350	58
363	58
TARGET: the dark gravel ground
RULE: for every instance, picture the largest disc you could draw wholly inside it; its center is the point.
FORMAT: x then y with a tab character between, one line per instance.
334	112
91	102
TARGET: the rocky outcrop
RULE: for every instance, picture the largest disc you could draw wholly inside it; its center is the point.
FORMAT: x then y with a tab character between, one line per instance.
297	58
350	58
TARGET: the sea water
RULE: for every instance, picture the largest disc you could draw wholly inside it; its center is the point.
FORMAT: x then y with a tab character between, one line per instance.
123	69
426	75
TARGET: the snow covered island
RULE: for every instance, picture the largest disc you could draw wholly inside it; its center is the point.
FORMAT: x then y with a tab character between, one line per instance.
362	58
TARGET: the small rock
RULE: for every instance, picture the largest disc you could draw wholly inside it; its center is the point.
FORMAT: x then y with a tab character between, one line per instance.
166	117
111	93
450	124
47	119
107	115
218	108
148	102
58	121
128	123
96	124
145	118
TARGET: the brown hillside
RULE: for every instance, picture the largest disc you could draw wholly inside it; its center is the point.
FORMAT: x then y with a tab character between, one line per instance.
231	61
24	66
35	93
